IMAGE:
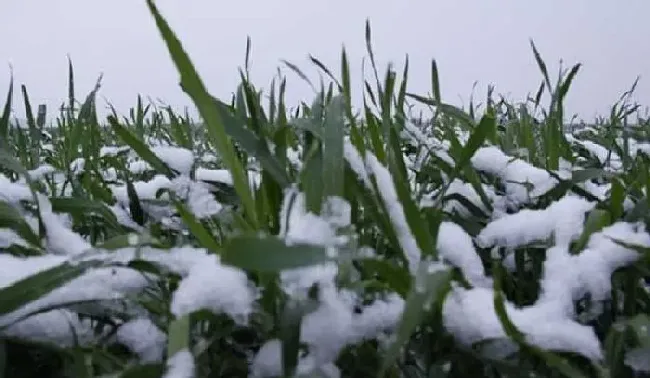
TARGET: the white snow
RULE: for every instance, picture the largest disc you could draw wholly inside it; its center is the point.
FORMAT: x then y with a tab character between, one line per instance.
176	158
297	225
143	338
432	145
139	166
42	171
216	175
212	286
467	191
386	190
56	327
602	256
562	219
455	246
599	152
78	165
112	150
357	165
9	238
181	365
206	284
101	284
549	323
471	317
144	189
223	176
13	192
515	173
60	239
638	359
268	362
195	194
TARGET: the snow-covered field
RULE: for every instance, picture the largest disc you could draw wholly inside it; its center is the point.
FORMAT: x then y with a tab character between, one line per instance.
512	220
325	244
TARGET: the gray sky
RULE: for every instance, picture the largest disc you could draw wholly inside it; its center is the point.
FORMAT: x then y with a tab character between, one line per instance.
484	41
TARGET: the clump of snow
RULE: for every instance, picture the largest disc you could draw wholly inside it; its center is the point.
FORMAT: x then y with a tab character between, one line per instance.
143	338
268	361
432	145
13	192
212	286
60	239
329	329
177	158
470	315
144	189
467	191
78	165
59	327
381	315
205	284
599	191
16	268
181	365
516	175
216	175
297	225
112	150
594	266
601	153
9	238
334	323
41	172
455	246
101	284
293	155
209	158
296	282
549	323
638	359
326	330
563	219
124	217
196	196
109	174
139	166
107	283
223	176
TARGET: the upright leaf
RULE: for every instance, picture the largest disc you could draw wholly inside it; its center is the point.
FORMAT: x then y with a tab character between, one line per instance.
333	162
194	87
6	112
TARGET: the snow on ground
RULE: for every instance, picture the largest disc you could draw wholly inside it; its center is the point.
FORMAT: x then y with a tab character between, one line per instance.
207	284
180	365
523	181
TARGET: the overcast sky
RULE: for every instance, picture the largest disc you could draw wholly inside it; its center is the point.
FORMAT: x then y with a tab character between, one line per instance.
485	41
